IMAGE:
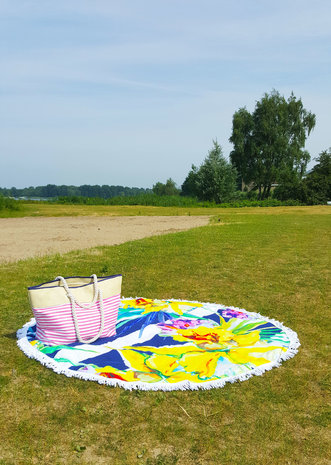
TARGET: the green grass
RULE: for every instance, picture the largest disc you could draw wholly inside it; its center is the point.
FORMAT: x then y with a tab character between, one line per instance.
273	261
50	209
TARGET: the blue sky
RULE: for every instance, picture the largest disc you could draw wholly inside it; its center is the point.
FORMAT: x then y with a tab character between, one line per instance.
131	93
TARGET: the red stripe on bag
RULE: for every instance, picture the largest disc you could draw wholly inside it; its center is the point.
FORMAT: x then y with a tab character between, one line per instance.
55	324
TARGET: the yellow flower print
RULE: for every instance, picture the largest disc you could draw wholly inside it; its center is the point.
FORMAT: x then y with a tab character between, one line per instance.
136	358
149	305
179	376
176	306
154	305
203	334
165	364
111	372
247	339
203	363
246	354
176	363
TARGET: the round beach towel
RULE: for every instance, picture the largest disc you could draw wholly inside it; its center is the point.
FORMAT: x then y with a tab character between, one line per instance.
171	344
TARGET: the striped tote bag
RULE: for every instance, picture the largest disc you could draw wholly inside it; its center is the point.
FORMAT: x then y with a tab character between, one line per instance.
76	308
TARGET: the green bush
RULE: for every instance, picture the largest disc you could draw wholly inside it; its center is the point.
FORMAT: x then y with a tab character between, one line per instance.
261	203
314	189
144	199
241	200
293	189
6	203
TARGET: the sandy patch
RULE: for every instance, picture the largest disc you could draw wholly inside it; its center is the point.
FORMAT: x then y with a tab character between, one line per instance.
28	237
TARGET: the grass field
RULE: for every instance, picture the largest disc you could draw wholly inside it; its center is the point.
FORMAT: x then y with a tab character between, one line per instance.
50	210
274	261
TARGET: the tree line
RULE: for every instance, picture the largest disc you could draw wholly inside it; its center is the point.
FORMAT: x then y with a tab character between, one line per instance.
52	191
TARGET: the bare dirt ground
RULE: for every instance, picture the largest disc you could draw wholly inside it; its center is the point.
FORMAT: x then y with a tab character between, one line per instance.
28	237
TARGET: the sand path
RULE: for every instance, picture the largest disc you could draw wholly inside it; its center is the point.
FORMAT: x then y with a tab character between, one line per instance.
36	236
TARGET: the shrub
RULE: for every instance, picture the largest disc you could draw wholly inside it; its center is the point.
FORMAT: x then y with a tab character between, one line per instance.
6	203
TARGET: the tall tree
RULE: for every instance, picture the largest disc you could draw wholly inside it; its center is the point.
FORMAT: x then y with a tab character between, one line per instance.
269	143
242	129
215	180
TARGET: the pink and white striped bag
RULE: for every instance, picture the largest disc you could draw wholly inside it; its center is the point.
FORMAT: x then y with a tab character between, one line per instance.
76	308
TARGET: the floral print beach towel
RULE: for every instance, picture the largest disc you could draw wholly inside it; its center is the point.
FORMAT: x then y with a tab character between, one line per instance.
171	344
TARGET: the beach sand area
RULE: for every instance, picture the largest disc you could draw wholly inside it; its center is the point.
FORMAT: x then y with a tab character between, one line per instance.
22	238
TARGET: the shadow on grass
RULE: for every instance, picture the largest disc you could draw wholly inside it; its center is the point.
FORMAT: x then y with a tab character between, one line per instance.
10	335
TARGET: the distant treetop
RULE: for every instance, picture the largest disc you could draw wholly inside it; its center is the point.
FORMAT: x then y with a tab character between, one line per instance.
52	191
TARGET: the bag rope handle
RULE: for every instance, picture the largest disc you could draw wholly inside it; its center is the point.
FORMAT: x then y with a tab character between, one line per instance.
74	302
